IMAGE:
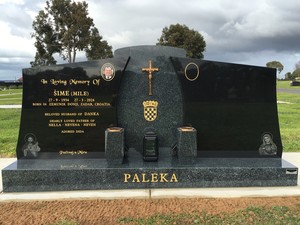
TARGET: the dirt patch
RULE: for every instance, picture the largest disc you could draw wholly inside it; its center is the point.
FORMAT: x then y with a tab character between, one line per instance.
109	211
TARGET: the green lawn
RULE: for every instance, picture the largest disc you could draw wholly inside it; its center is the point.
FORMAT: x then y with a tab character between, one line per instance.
289	121
11	97
289	118
286	84
9	130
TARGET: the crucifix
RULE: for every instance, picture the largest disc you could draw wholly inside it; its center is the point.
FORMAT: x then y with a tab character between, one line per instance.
150	70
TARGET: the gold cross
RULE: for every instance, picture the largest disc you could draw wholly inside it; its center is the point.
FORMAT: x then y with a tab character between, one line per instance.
150	70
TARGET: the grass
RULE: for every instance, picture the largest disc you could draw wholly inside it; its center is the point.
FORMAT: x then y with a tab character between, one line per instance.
9	130
286	84
251	215
11	97
289	120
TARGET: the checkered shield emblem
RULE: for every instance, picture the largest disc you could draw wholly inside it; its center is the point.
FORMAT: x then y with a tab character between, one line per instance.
150	110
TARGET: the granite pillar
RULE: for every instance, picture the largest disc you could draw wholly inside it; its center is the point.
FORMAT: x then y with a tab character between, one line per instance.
187	144
114	145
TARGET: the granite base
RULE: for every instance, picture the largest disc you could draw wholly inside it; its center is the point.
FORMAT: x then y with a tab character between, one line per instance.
93	174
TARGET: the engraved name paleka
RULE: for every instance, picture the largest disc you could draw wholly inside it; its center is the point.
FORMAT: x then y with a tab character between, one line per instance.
150	178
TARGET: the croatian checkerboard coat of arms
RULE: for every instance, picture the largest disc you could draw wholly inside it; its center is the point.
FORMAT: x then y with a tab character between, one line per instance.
150	110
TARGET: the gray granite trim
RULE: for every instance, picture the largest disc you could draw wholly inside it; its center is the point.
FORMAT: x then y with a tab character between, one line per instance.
96	174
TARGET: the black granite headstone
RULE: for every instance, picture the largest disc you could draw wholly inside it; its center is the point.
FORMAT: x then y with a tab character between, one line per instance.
67	108
231	106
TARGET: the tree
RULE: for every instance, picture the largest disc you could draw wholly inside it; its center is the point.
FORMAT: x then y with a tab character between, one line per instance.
275	64
46	42
98	49
64	27
183	37
296	72
288	76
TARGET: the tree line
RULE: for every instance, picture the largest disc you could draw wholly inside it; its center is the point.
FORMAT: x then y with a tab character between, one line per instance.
289	75
64	27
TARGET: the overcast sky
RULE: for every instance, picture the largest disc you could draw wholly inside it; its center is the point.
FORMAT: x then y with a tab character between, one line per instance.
247	31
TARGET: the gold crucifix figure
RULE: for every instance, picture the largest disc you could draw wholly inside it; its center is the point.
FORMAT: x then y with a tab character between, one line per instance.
150	70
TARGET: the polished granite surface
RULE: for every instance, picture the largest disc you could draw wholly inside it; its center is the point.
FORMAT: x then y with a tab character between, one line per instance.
133	173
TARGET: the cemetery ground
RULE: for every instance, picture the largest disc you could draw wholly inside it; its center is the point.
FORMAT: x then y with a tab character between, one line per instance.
271	210
260	211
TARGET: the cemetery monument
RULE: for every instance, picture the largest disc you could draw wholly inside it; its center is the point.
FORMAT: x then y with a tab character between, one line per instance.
148	118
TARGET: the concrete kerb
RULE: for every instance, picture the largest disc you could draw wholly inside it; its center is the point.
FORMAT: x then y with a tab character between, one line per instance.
235	192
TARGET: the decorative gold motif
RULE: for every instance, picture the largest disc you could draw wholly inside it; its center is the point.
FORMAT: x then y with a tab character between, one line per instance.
114	129
188	75
186	129
150	110
150	70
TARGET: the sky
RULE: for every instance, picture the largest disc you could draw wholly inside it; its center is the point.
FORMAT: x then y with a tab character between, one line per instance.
251	32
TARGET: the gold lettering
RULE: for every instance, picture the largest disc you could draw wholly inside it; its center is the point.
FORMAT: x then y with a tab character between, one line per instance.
82	121
69	121
69	114
52	114
54	124
154	177
91	114
76	82
57	104
78	152
89	124
147	178
86	104
136	178
67	131
80	93
71	124
163	177
144	178
126	177
55	121
44	81
96	82
57	82
72	104
104	104
174	178
79	131
61	93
